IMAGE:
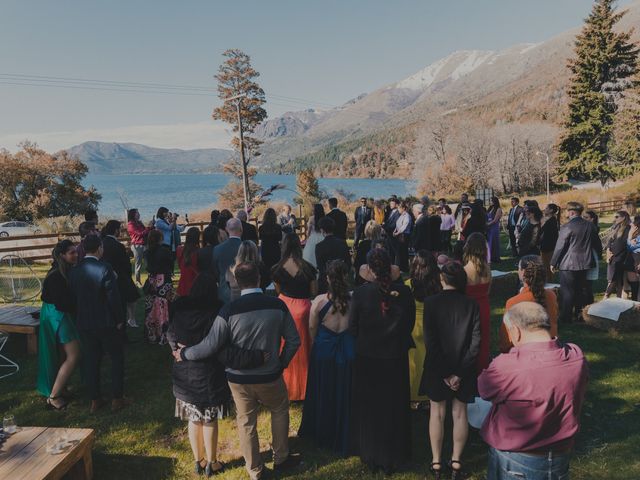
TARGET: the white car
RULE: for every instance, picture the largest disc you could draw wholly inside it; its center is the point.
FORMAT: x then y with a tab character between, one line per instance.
16	228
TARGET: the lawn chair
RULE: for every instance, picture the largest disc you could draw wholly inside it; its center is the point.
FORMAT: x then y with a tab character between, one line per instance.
18	282
6	363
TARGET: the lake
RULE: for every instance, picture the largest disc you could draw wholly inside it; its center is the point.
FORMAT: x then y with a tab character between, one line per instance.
189	193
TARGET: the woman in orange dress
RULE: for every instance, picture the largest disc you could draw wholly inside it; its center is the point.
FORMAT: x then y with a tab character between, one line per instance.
296	285
478	286
532	271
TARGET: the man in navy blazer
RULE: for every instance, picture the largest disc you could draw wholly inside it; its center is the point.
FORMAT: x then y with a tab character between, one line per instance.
224	256
100	319
362	215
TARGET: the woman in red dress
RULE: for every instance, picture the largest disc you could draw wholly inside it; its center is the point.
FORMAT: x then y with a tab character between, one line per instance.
478	286
187	256
295	282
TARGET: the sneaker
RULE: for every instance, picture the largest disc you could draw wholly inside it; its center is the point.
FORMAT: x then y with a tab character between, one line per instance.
132	323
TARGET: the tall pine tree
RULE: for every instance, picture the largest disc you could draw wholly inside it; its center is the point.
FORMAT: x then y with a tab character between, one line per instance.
605	61
237	86
626	137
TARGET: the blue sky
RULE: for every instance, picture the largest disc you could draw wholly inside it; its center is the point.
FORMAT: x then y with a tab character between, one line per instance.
323	52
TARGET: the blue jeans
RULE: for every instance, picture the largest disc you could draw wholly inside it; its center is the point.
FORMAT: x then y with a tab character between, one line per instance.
520	466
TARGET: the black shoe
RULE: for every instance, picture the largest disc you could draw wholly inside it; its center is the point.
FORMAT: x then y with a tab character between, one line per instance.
199	469
210	471
266	474
291	462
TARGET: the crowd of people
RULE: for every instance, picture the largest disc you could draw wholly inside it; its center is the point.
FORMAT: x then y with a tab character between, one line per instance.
359	333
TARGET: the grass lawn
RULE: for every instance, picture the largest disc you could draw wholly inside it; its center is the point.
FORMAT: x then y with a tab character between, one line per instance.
145	441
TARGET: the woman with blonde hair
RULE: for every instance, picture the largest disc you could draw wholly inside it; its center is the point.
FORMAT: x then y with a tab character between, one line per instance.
478	273
247	253
617	253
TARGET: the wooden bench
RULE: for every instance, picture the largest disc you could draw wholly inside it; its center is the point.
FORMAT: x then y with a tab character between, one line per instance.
24	455
18	319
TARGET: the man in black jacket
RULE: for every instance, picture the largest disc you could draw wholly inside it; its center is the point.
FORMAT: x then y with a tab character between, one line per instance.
100	321
331	248
573	256
362	215
249	231
512	221
339	218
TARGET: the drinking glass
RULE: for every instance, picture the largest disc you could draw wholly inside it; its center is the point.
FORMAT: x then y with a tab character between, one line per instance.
9	424
54	444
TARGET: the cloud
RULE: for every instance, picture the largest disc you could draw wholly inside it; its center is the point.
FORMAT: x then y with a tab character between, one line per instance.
186	136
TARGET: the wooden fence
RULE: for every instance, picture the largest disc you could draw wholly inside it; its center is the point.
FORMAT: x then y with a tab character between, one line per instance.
38	247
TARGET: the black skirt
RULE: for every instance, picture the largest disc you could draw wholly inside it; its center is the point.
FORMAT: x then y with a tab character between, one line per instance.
434	387
381	417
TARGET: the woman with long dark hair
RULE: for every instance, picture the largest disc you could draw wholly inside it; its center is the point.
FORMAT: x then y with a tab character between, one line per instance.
424	281
313	234
327	405
270	237
57	328
452	340
532	273
529	239
372	233
549	232
115	254
295	281
617	253
494	216
381	319
478	284
187	257
158	288
210	238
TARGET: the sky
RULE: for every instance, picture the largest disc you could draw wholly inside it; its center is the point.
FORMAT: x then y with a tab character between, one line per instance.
310	54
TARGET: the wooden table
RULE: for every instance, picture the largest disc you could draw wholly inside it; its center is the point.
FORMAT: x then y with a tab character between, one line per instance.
18	319
24	456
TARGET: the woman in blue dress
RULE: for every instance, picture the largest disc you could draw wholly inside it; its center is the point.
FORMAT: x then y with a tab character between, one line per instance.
326	411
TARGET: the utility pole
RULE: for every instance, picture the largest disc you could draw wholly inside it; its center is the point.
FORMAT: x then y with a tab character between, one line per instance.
245	180
547	157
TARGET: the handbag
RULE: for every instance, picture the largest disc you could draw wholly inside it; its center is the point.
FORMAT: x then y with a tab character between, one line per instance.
592	274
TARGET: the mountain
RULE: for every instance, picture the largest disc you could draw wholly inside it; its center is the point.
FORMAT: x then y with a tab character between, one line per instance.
523	83
104	157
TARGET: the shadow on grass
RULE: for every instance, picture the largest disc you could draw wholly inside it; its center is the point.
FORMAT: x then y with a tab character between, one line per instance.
122	466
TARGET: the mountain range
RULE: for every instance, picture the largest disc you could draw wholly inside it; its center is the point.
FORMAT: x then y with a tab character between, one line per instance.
107	157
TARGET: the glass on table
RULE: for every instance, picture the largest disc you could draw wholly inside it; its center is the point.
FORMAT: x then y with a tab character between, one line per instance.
9	424
55	444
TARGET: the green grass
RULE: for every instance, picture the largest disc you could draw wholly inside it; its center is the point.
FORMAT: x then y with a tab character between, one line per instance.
145	441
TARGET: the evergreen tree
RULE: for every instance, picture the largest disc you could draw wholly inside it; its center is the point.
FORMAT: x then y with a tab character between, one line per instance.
626	138
309	189
604	63
237	86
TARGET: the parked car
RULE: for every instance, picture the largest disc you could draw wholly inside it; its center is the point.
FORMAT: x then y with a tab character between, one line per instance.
16	228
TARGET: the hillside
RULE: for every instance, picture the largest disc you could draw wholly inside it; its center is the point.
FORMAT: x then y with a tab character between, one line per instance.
519	85
116	158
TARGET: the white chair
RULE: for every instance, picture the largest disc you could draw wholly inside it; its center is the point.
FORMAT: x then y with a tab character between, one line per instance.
6	363
18	282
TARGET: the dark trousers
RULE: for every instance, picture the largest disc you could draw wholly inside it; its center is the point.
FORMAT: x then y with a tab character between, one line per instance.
358	236
401	247
573	290
512	240
97	343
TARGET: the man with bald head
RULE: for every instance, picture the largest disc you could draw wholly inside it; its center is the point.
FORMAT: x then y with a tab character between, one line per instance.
537	391
224	255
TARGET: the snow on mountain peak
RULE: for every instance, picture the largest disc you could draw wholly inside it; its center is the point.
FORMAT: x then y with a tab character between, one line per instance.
455	66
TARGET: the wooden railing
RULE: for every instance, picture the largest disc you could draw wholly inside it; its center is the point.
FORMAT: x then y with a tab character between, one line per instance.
614	205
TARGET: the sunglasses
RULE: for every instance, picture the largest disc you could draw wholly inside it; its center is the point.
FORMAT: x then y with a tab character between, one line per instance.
616	216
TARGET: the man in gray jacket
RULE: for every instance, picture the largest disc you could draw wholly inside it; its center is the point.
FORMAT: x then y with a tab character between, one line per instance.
578	243
224	256
255	321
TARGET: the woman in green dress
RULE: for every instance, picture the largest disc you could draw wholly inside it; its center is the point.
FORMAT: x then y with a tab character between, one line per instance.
58	339
424	281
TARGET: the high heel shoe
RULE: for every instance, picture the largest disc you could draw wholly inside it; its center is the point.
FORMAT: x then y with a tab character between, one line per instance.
199	469
457	473
52	406
437	473
209	471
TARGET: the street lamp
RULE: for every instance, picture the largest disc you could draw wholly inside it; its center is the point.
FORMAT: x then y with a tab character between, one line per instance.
547	156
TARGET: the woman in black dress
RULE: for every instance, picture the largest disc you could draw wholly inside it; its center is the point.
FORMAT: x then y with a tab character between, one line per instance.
372	233
617	254
529	239
381	319
270	233
549	237
452	341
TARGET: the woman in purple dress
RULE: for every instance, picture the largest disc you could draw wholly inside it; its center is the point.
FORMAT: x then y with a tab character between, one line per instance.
494	215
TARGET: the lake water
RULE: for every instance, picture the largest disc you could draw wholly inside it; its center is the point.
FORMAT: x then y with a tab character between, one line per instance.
188	193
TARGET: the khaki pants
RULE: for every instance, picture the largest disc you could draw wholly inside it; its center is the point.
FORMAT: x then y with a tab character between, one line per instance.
273	396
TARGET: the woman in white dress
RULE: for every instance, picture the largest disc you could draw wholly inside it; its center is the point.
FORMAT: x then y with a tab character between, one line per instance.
313	235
